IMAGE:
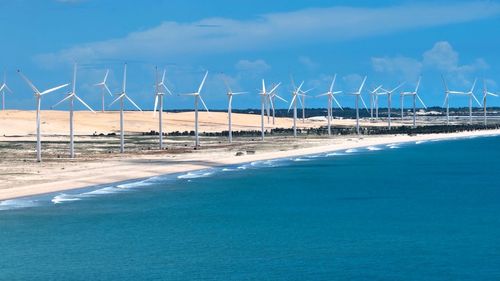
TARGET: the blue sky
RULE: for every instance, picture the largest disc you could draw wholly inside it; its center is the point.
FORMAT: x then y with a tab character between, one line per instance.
245	41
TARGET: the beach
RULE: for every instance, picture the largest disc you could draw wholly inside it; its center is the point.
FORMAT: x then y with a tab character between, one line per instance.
20	178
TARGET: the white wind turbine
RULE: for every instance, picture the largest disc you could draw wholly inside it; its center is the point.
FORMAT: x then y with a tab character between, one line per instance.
472	96
374	101
358	96
38	96
198	98
486	93
389	101
230	95
104	89
293	103
331	98
4	89
272	101
414	96
122	97
160	87
71	97
447	99
264	96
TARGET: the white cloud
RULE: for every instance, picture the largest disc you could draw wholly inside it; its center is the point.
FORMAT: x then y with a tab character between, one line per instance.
441	57
407	68
256	66
308	62
277	30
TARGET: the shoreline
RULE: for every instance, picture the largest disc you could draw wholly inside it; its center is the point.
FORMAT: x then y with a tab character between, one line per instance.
140	167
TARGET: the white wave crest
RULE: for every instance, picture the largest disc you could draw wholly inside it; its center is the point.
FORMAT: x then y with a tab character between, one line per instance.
373	148
16	204
61	198
351	150
194	175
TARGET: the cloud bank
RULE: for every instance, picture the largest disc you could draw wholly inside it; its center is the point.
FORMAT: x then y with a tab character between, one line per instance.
208	36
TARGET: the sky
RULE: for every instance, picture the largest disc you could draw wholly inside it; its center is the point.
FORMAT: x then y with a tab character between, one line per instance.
246	41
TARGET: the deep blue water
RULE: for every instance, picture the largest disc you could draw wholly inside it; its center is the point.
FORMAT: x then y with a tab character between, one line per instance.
428	211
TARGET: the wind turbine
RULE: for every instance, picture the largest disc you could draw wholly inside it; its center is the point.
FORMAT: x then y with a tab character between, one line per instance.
4	89
295	96
38	96
71	97
485	94
159	100
358	96
104	89
331	97
471	96
415	96
447	98
122	97
264	95
374	101
389	100
230	95
198	98
272	100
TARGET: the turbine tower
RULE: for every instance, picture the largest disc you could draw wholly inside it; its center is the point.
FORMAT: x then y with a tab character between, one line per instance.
122	97
331	98
486	93
4	89
198	98
415	96
264	95
71	98
38	96
104	89
389	101
230	95
358	96
160	87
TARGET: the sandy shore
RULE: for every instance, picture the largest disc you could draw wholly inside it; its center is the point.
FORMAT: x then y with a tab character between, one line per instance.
47	178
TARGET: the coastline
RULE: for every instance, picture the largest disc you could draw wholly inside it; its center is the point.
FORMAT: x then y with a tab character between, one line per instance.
139	167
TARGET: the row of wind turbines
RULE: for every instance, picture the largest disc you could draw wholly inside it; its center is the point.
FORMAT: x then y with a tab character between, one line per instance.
268	99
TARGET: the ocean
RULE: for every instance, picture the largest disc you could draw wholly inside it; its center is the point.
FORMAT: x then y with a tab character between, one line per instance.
415	211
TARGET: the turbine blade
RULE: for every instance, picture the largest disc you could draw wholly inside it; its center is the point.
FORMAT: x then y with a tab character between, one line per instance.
124	86
275	87
203	82
28	82
105	76
291	102
473	86
203	103
421	101
399	86
333	82
337	102
363	101
444	83
476	99
362	85
53	89
63	100
86	105
156	105
107	89
133	103
418	84
118	98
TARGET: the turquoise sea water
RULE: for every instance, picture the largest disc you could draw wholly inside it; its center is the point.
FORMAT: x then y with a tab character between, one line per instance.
419	211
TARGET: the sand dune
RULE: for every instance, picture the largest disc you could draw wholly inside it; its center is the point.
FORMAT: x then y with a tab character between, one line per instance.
55	122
